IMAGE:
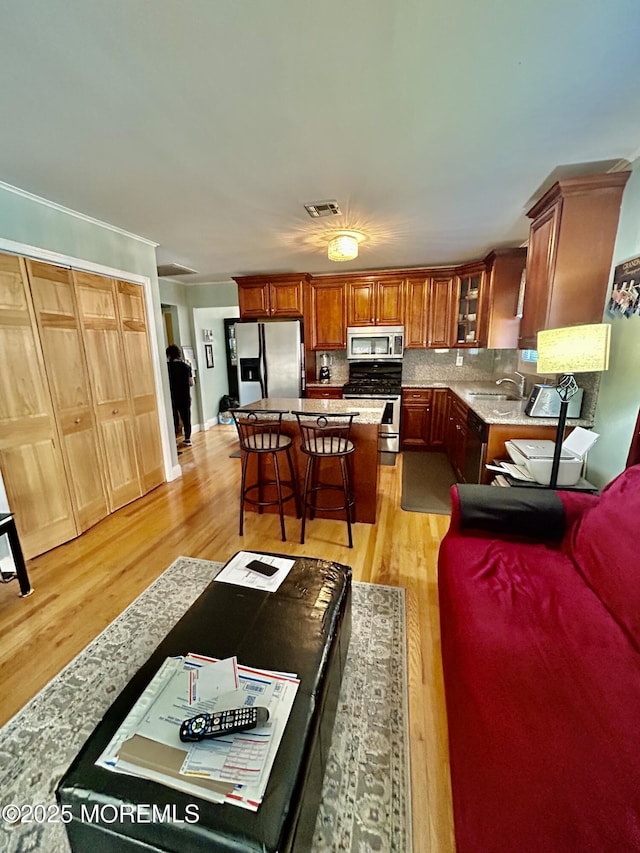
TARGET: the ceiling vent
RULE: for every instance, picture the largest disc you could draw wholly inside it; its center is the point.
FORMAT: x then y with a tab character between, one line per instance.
172	270
323	208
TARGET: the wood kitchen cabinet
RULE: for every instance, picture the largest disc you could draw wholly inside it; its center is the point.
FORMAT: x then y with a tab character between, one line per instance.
375	301
326	323
442	311
271	296
571	241
439	418
424	421
415	431
416	312
324	393
457	436
470	307
504	278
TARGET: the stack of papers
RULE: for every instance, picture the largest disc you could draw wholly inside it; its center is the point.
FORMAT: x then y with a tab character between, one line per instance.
513	470
230	769
237	571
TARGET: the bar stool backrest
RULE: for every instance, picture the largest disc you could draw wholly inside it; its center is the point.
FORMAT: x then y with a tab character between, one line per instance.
325	434
258	430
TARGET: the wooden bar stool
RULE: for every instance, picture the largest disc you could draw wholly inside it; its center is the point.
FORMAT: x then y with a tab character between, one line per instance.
259	431
326	436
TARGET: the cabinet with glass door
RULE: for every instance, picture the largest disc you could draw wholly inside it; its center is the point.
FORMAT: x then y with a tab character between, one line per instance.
470	307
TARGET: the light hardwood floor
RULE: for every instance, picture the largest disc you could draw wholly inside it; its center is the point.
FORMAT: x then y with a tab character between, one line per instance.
82	586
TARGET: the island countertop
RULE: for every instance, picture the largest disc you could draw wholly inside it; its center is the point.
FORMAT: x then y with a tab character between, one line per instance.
369	411
365	462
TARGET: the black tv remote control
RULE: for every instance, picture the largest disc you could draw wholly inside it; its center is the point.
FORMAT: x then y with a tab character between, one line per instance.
222	723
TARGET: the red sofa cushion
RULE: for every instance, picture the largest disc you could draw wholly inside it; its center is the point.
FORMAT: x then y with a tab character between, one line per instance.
605	546
543	692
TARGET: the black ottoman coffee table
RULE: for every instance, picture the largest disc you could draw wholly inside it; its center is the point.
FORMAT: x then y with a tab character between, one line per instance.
303	628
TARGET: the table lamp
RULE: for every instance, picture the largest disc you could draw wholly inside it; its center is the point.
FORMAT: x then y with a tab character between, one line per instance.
574	349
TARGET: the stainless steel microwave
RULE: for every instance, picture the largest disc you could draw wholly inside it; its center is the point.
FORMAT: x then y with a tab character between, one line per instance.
375	342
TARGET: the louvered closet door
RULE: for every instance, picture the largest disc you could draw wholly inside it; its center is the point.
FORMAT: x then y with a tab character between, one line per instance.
30	453
97	308
135	334
55	307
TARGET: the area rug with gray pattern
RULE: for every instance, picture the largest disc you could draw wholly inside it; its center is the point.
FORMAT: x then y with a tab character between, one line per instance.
366	799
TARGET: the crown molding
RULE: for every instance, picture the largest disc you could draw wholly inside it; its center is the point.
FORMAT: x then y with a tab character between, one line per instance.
82	216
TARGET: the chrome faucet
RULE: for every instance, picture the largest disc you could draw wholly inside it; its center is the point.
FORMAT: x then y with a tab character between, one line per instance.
519	385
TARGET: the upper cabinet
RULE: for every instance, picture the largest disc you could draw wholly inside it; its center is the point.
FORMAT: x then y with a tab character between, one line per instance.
571	243
376	301
416	306
262	296
470	307
504	277
326	326
442	311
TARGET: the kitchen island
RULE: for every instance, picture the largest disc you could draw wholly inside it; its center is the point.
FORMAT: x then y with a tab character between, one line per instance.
364	434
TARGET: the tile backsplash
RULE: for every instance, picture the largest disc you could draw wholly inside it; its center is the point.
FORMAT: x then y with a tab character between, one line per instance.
477	365
481	365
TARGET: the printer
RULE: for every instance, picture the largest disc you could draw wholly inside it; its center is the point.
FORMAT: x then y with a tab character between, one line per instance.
535	456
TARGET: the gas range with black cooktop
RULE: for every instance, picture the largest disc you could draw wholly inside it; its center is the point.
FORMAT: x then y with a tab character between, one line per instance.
379	380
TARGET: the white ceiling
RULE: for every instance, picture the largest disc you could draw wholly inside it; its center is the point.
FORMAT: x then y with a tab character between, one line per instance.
205	125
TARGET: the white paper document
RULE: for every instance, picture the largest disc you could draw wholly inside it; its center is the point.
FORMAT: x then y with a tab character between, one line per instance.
237	572
233	769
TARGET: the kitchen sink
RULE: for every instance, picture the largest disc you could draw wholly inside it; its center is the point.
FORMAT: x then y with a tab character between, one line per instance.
493	395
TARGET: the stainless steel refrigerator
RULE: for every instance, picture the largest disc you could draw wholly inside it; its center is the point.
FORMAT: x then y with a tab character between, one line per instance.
270	360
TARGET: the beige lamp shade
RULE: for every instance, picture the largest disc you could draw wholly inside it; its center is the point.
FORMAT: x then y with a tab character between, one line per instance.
574	349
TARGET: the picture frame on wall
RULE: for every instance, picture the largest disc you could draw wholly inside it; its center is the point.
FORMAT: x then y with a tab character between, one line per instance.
208	354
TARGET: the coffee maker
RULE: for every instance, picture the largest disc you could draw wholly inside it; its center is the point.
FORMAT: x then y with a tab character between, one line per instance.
325	371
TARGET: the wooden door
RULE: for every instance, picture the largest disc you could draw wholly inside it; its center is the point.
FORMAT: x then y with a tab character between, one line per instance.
439	418
31	458
61	338
328	315
286	297
416	418
362	303
97	308
540	263
415	326
390	302
139	365
443	302
254	299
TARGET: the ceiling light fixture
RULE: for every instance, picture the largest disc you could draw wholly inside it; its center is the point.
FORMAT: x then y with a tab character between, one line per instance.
343	246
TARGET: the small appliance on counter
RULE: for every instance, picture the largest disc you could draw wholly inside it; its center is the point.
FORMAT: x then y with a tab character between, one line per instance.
544	402
325	368
535	456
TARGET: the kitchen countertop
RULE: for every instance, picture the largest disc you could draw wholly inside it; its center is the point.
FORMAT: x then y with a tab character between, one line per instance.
369	411
491	411
495	411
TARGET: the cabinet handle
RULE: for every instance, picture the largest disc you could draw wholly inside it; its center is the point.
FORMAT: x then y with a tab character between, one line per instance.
78	420
115	411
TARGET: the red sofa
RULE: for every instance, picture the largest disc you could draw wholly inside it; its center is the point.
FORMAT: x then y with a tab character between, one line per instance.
540	631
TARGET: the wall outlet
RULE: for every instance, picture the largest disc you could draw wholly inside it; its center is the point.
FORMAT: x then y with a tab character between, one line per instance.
459	359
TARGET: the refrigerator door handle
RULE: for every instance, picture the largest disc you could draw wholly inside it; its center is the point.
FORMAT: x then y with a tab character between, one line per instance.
262	357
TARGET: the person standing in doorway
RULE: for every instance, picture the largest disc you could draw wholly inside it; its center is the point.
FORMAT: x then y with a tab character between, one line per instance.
180	382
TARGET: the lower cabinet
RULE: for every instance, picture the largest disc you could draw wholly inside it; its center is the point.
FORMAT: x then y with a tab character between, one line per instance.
415	418
457	436
424	418
324	393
